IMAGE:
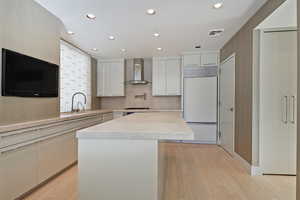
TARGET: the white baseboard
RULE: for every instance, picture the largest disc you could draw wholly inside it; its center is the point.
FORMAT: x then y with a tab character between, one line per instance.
256	171
201	142
194	141
251	170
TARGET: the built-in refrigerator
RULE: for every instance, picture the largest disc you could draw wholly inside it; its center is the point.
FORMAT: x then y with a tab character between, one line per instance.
200	93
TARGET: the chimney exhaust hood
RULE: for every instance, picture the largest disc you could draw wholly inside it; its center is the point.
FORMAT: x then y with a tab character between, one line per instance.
138	72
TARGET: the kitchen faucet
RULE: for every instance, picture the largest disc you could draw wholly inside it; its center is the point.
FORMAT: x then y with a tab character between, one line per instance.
77	110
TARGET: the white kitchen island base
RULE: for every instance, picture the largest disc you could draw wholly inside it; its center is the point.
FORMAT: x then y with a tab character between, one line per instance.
120	169
124	160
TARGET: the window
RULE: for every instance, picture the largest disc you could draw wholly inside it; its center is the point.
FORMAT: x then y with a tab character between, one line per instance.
75	76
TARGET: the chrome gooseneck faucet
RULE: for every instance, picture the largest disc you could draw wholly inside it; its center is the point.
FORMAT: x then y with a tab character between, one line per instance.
73	110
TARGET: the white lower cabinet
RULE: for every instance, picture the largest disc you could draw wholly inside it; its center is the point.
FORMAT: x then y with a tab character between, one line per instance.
68	149
48	158
117	115
107	117
18	171
166	76
23	166
55	154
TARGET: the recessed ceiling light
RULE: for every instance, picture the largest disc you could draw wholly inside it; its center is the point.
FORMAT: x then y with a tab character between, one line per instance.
151	11
91	16
218	5
111	37
156	34
70	32
123	50
94	49
159	49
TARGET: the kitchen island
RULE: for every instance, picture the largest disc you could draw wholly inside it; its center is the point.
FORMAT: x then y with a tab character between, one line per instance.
123	159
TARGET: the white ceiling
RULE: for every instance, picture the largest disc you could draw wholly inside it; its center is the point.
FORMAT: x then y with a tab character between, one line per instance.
182	24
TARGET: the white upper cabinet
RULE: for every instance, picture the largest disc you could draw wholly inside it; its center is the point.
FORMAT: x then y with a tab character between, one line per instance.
166	76
192	60
173	76
209	59
117	74
201	59
110	78
158	77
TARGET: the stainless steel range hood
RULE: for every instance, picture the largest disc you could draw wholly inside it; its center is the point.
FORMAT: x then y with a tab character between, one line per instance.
138	72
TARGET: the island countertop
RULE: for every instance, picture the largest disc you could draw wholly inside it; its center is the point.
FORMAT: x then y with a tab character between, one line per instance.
143	126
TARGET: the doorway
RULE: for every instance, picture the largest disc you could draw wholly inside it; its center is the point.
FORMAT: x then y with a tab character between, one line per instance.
227	103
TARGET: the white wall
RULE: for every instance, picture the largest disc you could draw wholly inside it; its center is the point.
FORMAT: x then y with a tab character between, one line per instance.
284	16
30	29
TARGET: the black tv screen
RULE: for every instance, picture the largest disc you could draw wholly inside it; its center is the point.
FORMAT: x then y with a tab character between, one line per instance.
25	76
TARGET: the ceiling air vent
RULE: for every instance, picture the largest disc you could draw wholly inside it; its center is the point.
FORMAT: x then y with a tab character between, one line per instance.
215	32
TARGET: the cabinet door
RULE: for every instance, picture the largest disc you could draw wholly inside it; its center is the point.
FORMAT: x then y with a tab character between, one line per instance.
55	154
158	78
117	79
18	171
107	79
68	149
173	77
100	79
49	158
191	60
209	59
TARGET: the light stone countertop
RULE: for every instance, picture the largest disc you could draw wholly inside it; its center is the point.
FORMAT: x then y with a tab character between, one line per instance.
144	110
143	126
61	118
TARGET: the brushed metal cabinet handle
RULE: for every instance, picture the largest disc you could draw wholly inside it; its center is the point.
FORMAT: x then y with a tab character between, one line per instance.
285	110
293	109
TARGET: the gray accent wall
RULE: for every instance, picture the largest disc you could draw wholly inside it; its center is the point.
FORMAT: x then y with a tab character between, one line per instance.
28	28
242	44
298	107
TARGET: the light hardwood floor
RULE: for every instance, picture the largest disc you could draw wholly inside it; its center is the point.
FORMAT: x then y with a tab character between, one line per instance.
194	172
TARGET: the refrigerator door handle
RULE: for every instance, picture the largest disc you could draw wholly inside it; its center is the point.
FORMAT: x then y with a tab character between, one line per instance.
292	103
285	110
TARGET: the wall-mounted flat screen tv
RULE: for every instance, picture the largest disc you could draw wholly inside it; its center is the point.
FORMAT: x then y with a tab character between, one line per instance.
25	76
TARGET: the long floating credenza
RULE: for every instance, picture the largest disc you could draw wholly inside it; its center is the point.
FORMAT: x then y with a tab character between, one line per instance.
33	153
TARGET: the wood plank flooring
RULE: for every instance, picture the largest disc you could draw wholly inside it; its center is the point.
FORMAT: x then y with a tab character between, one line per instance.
194	172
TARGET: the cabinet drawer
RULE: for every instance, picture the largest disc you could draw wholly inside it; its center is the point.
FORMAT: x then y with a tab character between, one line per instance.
20	136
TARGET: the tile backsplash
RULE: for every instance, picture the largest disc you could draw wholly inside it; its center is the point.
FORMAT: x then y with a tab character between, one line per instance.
135	99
